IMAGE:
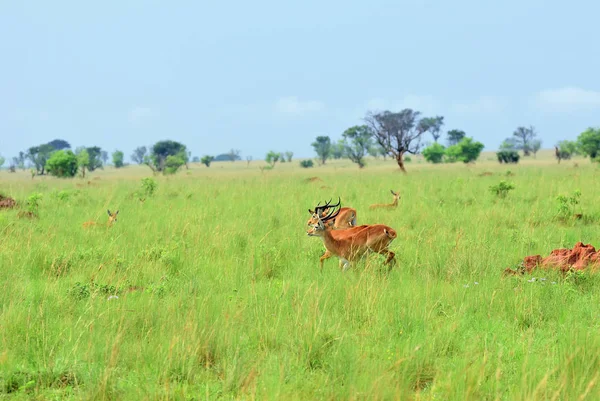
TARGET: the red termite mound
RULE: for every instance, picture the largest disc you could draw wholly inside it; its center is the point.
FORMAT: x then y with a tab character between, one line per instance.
579	258
7	202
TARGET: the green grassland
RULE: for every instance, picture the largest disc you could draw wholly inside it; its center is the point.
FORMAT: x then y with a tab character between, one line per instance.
220	295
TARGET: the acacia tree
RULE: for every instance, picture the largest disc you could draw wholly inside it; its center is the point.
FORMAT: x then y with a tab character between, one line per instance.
536	145
524	137
39	155
400	133
234	154
588	143
59	144
357	142
139	154
455	136
436	126
167	156
322	146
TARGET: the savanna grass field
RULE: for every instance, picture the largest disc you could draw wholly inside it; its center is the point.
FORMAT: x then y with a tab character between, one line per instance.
207	286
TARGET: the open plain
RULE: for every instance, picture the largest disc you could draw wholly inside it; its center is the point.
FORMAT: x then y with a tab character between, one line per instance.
207	286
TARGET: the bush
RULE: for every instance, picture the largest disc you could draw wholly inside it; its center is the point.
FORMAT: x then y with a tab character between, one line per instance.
508	156
118	158
465	151
62	164
173	163
502	188
434	153
306	163
206	160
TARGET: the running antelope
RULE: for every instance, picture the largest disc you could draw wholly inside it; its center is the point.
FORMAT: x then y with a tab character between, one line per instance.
345	218
351	244
112	218
388	205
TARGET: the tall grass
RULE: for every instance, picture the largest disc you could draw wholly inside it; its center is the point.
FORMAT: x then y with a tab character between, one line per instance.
210	288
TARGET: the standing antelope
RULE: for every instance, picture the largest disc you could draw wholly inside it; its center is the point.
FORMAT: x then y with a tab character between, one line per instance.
388	205
345	218
351	244
112	218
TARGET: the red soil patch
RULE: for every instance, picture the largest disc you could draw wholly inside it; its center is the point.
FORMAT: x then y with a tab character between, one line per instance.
313	179
486	174
580	257
7	202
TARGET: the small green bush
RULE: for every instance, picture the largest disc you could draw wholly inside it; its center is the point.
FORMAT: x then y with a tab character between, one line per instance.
62	163
306	163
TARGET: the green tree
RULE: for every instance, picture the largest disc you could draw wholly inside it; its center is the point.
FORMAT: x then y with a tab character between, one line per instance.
206	160
400	133
83	160
509	144
139	154
289	155
337	149
117	158
524	137
322	146
466	151
234	154
2	160
272	158
95	157
434	153
536	145
455	136
163	149
39	155
173	163
59	144
104	156
357	142
436	124
62	163
588	143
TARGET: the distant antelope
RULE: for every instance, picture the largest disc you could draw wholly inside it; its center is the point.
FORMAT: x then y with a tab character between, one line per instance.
351	244
345	218
112	218
388	205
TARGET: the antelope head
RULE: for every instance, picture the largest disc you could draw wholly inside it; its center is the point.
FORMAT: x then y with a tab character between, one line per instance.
112	217
322	218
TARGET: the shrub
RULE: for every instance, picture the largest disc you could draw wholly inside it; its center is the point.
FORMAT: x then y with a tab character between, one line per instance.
206	160
434	153
118	158
502	188
149	186
62	164
508	156
306	163
173	163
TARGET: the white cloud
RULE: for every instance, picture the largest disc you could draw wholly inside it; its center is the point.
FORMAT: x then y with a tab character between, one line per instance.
484	104
569	98
292	105
139	113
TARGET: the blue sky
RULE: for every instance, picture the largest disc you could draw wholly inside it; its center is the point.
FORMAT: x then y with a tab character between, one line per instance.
273	75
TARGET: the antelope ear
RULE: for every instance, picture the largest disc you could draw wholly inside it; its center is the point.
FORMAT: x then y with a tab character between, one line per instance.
311	211
108	211
393	193
116	213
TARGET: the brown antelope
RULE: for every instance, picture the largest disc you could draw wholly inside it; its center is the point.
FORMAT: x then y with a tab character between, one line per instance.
388	205
346	218
351	244
112	218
